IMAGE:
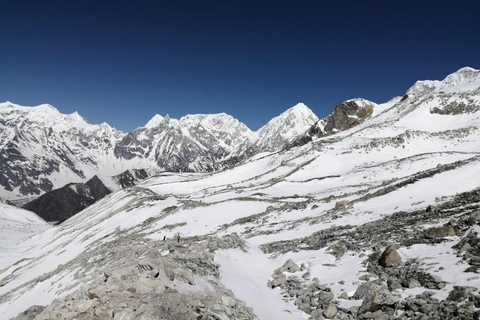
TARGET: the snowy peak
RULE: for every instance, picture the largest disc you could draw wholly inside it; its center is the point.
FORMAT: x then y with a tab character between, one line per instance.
279	131
465	79
44	114
423	87
76	117
299	114
155	121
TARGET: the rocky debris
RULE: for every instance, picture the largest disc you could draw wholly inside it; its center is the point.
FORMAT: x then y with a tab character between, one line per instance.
390	257
279	277
407	275
463	212
460	208
30	313
469	246
138	282
423	306
228	241
309	295
440	232
454	108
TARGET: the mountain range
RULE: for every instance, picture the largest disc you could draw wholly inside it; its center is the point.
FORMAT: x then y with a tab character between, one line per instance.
370	213
42	149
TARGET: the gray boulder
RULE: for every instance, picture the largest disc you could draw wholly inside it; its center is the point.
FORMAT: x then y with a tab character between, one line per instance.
390	257
440	232
375	295
330	311
288	266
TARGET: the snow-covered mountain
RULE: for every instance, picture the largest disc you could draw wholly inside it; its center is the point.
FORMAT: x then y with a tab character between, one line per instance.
194	143
282	129
380	221
42	149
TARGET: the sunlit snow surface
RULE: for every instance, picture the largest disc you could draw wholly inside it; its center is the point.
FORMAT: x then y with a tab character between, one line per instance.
347	166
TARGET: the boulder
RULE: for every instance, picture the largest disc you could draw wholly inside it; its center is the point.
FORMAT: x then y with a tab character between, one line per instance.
341	204
344	295
330	311
375	295
440	232
288	266
338	249
279	279
390	258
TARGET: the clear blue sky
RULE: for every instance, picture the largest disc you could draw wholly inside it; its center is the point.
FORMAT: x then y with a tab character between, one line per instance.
124	61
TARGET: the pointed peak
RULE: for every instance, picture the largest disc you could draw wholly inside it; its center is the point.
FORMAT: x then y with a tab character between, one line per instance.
299	106
76	117
155	121
300	110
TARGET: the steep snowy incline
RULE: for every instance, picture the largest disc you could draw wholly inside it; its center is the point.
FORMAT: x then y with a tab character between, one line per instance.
16	225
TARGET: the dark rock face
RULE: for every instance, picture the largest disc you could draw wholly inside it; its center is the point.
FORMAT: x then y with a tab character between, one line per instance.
14	173
344	116
130	178
60	204
347	115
